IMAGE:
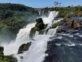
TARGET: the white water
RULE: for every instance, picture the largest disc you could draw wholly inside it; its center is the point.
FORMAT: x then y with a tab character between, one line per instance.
22	37
36	52
50	19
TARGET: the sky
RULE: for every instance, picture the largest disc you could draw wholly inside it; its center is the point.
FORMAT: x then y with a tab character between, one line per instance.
43	3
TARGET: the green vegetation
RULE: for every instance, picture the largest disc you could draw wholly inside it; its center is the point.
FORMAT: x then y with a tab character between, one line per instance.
16	7
13	23
15	16
66	11
7	59
12	18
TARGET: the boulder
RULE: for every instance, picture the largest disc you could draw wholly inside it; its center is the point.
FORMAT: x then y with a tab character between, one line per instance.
24	47
10	59
55	25
77	24
40	26
1	50
4	58
73	23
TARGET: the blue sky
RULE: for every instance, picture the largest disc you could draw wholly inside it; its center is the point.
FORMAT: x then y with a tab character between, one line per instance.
43	3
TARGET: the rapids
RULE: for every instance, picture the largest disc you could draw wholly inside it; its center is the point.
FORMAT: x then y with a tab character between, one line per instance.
36	52
39	44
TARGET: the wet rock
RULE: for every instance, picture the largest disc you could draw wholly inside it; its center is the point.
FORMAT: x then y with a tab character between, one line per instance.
77	24
68	25
61	29
9	59
51	52
1	50
24	47
40	26
55	25
74	23
58	50
4	58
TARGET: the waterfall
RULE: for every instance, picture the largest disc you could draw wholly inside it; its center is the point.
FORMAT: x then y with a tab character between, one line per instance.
22	37
36	52
49	20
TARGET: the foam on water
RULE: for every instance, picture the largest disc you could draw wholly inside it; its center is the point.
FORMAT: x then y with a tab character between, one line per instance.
36	52
68	44
22	37
50	19
79	34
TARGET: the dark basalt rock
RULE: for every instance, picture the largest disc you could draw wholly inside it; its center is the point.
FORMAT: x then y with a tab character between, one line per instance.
10	59
24	47
1	50
40	26
50	51
4	58
55	25
68	25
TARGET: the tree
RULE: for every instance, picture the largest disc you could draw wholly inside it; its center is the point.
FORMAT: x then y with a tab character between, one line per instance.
57	4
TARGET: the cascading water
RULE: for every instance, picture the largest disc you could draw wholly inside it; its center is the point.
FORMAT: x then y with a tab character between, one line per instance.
50	19
22	37
36	52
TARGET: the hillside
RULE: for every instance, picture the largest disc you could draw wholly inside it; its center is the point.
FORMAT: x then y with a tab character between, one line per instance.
13	17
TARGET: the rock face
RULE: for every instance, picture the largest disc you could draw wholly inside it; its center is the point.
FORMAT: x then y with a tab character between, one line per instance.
24	47
68	25
73	23
9	59
77	24
6	58
1	50
40	26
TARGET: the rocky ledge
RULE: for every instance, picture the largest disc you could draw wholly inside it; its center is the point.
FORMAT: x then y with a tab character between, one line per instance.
69	25
24	47
66	25
4	58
